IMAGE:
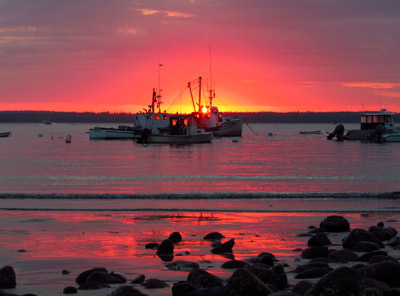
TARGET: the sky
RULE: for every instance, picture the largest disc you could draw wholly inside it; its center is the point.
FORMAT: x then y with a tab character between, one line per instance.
266	55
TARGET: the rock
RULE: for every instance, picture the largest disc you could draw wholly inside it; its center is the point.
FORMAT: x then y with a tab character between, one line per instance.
93	286
183	289
208	280
182	265
244	282
372	292
395	242
175	237
343	256
81	278
155	284
225	248
314	252
380	258
152	246
127	291
214	236
166	250
316	230
65	272
322	260
264	254
335	224
357	235
313	273
311	265
105	278
392	292
284	293
371	283
302	287
210	291
7	278
319	239
342	281
367	256
385	271
70	290
275	276
139	279
233	264
364	246
383	233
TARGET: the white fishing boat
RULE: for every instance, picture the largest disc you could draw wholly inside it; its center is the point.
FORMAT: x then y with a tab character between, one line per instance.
120	133
210	119
372	123
5	134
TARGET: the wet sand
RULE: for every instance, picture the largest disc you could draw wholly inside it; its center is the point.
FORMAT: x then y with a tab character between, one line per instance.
40	244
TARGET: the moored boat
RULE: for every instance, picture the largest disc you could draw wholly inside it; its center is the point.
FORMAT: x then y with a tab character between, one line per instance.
120	133
5	134
316	132
393	137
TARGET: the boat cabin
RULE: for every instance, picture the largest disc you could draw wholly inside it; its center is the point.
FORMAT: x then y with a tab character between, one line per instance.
371	120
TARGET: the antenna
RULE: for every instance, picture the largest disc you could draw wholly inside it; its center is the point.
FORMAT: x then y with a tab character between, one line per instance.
212	94
159	87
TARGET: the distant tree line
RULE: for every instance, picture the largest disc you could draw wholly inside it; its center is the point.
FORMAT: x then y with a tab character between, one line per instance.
249	117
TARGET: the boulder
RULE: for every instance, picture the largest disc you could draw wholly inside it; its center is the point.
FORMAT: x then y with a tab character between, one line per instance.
139	279
275	276
319	239
105	278
81	278
175	237
127	291
357	235
155	284
343	256
364	246
166	250
70	290
225	248
367	256
302	287
383	233
93	286
385	271
210	291
182	265
314	252
335	224
214	236
152	246
372	292
183	288
7	278
244	282
233	264
313	273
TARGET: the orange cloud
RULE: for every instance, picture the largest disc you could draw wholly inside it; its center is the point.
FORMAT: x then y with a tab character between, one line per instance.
373	85
127	30
146	11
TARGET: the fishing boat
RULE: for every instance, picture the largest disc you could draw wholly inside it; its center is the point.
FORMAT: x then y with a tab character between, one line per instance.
316	132
109	133
210	119
5	134
372	123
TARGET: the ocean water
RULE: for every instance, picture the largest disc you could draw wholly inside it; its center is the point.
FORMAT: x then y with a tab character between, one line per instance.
284	163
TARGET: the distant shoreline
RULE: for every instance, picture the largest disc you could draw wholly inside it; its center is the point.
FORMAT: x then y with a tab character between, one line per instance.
249	117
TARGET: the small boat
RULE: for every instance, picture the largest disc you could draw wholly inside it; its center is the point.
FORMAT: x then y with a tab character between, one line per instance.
5	134
316	132
109	133
371	124
47	121
394	137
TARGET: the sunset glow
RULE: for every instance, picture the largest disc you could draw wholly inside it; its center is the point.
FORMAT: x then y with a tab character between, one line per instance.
276	55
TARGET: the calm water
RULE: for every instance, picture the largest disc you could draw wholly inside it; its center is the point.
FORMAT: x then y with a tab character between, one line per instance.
285	162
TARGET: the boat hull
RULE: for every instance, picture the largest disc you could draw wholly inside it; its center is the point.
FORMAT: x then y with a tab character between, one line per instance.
231	127
181	139
4	134
391	137
112	134
318	132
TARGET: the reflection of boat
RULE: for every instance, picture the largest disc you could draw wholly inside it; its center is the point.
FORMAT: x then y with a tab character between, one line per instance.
4	134
317	132
371	122
209	118
105	133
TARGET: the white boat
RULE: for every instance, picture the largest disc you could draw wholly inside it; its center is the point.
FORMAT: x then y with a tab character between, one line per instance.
210	119
394	137
120	133
371	123
316	132
5	134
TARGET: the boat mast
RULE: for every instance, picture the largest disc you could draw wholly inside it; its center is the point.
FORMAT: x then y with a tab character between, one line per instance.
158	100
200	94
212	92
191	95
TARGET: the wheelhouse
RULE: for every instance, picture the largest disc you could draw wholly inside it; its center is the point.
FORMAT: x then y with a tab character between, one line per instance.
372	120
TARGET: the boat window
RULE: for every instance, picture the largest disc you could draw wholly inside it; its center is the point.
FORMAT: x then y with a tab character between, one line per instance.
375	119
147	117
369	119
185	122
164	117
151	116
157	117
174	121
389	119
363	119
381	119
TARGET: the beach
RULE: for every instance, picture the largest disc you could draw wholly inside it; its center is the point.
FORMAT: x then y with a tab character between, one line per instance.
40	244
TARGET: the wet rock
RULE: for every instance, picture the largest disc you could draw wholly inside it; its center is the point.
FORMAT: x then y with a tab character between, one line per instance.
175	237
152	246
244	282
392	292
284	293
313	273
70	290
233	264
316	230
93	286
364	246
105	278
322	260
127	291
224	248
367	256
335	224
371	283
319	239
380	258
139	279
182	265
266	254
275	276
343	256
395	242
81	278
208	280
372	292
183	288
314	252
357	235
7	278
385	271
342	281
302	287
383	233
166	250
155	284
310	265
65	272
210	291
214	236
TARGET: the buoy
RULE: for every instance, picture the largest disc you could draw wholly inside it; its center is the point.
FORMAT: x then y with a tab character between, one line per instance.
40	135
68	138
270	134
235	140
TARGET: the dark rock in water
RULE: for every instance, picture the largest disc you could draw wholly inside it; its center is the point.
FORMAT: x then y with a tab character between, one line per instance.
155	284
367	256
7	278
210	291
65	272
127	291
380	224
208	280
183	289
264	254
216	243
244	282
81	278
385	271
335	224
343	256
139	279
93	286
105	278
395	242
311	265
166	250
357	235
342	281
313	273
302	287
364	246
70	290
372	292
380	258
214	236
233	264
322	260
152	246
182	265
319	239
316	230
371	283
314	252
226	247
383	233
275	276
176	237
194	274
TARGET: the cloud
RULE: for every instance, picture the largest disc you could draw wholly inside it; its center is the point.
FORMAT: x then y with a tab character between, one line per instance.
127	30
373	85
147	11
